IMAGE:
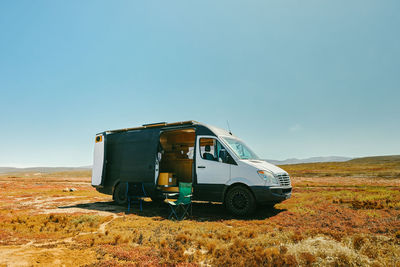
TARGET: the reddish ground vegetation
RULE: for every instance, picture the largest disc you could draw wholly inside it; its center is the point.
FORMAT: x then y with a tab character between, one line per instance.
328	221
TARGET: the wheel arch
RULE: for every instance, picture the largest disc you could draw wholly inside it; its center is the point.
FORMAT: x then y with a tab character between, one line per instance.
230	187
116	182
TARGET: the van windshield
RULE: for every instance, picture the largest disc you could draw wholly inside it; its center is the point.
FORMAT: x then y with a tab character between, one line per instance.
240	148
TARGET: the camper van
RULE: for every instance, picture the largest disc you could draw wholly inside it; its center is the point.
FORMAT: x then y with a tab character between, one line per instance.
220	166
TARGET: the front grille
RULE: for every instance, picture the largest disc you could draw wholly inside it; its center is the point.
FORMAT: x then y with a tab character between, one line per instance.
283	179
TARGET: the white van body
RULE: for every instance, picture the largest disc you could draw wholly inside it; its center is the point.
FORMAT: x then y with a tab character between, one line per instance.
229	176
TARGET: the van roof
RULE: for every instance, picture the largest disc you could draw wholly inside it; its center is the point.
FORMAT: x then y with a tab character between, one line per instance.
216	130
155	125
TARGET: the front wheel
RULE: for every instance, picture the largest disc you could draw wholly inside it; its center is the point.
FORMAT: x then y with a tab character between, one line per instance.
120	194
240	201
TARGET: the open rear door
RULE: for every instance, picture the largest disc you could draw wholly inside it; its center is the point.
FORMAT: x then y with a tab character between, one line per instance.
98	161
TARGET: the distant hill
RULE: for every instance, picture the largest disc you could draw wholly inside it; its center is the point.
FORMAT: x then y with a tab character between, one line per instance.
44	169
382	167
309	160
364	160
377	159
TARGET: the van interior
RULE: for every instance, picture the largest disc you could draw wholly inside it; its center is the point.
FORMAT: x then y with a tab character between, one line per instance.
177	148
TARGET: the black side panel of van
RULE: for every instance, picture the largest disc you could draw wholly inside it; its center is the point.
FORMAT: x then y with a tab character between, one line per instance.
209	192
113	158
131	156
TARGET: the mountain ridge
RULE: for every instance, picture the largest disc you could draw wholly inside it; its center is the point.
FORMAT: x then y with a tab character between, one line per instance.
43	169
372	159
309	160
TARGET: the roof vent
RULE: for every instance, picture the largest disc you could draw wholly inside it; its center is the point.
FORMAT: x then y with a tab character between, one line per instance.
155	124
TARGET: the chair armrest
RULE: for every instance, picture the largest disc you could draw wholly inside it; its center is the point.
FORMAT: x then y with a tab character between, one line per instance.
171	194
171	203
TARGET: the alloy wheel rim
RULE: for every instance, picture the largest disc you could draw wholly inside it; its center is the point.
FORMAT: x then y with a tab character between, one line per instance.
239	201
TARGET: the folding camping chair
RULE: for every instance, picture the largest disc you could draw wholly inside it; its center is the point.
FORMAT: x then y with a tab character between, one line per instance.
183	204
134	194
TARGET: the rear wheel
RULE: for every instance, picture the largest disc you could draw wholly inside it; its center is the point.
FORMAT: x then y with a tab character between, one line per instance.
120	194
240	201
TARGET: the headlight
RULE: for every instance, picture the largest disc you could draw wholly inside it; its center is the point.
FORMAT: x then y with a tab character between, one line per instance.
268	177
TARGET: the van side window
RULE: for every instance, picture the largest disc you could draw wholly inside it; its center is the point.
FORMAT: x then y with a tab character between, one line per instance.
212	149
207	148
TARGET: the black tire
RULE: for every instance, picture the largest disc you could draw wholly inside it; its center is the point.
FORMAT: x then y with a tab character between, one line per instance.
120	194
240	201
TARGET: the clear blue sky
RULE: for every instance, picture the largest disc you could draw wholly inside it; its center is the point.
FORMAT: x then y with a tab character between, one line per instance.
294	78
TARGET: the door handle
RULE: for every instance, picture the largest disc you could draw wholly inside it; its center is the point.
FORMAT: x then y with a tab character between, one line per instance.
201	167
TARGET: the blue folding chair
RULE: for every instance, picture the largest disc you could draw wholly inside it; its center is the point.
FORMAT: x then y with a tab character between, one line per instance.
135	194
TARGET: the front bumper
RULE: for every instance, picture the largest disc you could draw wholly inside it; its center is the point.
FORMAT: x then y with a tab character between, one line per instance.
271	194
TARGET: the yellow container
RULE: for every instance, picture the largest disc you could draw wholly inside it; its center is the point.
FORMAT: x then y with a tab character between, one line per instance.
166	179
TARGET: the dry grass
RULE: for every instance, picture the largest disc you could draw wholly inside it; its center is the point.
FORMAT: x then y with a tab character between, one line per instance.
387	167
329	221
